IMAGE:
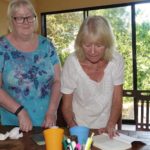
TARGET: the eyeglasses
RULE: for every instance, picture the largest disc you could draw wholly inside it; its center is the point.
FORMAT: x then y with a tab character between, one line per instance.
21	20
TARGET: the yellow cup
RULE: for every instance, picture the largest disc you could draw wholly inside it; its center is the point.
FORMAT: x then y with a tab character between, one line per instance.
53	138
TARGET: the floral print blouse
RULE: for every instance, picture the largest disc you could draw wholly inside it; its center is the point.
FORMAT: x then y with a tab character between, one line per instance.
28	78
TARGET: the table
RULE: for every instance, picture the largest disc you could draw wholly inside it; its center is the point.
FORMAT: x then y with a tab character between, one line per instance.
26	142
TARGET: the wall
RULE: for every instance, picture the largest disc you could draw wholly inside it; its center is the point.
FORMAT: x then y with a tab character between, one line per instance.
3	17
47	5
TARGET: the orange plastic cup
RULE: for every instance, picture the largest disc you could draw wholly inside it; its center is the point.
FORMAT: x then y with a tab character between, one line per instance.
53	138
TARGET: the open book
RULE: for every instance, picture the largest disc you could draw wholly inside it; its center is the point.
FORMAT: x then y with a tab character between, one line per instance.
121	142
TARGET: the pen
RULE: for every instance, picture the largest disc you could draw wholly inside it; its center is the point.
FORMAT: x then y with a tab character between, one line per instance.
65	143
78	147
69	145
89	142
73	143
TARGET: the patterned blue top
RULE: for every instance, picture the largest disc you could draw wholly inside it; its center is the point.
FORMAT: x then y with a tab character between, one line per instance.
28	78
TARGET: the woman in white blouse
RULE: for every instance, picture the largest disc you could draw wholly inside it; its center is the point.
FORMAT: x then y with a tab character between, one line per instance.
92	78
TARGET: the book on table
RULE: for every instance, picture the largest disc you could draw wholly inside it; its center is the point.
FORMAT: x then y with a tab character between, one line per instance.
120	142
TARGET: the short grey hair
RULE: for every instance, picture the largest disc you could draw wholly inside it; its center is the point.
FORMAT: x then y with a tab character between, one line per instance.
14	5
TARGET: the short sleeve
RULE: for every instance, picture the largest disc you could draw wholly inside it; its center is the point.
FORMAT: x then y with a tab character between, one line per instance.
69	76
1	57
118	71
53	54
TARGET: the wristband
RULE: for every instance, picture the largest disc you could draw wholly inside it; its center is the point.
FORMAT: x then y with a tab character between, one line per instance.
18	110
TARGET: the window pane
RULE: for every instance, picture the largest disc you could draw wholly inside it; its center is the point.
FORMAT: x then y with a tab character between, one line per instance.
62	29
143	46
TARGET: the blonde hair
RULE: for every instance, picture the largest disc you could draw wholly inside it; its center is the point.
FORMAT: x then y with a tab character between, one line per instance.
14	5
97	29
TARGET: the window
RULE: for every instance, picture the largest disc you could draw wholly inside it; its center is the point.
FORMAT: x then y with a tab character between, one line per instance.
131	26
62	29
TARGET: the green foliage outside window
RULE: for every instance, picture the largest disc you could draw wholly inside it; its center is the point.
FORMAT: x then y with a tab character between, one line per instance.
62	29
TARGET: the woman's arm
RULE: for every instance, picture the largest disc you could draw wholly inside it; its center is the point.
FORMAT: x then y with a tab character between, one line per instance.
115	113
51	115
11	105
67	110
6	101
116	108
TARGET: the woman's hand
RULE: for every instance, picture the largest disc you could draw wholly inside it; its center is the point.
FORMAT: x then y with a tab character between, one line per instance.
111	131
24	121
50	120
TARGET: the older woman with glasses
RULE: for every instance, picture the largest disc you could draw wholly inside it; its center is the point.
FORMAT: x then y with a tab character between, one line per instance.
29	71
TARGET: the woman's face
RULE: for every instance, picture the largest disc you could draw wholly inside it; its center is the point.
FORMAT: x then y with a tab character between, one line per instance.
93	51
23	21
